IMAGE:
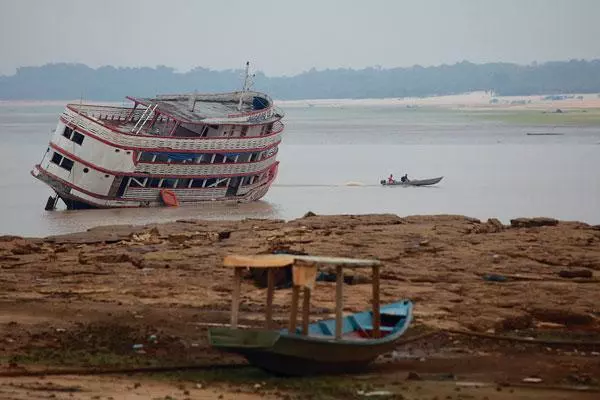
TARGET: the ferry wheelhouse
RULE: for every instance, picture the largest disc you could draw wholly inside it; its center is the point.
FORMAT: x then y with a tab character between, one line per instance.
192	147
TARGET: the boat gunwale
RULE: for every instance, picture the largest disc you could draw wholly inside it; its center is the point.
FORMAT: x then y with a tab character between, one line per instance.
115	130
329	339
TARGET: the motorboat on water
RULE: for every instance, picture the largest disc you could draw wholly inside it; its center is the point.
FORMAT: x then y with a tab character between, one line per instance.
411	182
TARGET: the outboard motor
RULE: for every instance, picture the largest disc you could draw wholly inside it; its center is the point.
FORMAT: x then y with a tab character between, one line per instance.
382	181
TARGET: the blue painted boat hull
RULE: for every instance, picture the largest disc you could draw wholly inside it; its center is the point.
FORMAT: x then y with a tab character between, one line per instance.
287	353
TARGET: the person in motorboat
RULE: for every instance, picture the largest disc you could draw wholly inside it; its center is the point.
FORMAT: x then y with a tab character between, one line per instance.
391	179
404	179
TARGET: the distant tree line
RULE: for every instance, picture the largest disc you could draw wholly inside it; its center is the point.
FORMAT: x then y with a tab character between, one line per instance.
72	81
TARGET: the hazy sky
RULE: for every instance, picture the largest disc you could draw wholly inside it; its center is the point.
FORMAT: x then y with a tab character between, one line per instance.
287	37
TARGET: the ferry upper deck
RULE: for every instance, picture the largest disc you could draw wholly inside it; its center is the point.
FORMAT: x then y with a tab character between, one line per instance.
195	115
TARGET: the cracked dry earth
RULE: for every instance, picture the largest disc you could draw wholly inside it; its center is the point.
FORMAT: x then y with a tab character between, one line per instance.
86	298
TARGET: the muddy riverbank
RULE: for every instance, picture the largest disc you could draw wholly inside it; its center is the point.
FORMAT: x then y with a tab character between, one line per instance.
88	299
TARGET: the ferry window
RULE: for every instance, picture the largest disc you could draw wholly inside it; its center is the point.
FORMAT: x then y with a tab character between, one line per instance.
146	157
244	130
162	157
77	138
86	170
135	183
123	185
210	182
153	183
270	152
56	158
222	183
66	164
67	132
218	158
168	183
197	183
183	183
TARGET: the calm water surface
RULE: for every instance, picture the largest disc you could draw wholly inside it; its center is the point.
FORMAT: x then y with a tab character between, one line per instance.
490	169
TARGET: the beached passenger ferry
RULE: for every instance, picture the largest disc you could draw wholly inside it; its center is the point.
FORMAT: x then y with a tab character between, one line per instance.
165	150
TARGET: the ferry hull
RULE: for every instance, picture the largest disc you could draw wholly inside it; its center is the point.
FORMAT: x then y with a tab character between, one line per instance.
75	199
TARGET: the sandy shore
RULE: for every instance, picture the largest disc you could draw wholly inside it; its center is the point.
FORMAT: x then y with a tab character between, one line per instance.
475	101
85	299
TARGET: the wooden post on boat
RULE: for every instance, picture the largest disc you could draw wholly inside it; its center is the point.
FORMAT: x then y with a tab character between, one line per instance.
376	313
305	310
294	313
270	290
235	300
339	301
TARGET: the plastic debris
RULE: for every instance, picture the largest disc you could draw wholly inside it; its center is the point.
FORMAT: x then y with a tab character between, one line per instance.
376	393
532	379
494	278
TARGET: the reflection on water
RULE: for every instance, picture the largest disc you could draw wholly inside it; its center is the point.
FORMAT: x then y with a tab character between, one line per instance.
79	220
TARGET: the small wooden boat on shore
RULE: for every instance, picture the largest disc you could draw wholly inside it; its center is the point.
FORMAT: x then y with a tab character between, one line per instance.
335	345
412	182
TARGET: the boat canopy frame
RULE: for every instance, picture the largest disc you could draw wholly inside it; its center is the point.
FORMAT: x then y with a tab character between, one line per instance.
304	273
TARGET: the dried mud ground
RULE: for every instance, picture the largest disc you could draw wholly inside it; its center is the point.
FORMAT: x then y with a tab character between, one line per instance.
91	299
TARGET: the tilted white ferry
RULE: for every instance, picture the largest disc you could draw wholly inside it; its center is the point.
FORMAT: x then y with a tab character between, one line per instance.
170	149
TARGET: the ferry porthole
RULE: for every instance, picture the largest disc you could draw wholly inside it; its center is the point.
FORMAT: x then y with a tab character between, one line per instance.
117	150
106	176
86	170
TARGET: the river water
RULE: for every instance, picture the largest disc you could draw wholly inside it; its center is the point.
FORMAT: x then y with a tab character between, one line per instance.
332	159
